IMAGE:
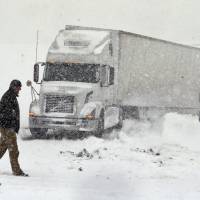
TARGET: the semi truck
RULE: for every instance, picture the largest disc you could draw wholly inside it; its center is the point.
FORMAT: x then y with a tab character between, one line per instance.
94	78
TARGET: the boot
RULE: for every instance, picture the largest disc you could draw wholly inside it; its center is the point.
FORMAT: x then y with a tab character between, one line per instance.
21	173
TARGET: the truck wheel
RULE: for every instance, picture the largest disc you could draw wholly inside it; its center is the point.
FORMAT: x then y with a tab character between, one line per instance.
81	134
121	118
199	116
38	132
100	127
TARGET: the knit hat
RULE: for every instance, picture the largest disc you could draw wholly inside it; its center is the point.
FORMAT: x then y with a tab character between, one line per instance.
15	83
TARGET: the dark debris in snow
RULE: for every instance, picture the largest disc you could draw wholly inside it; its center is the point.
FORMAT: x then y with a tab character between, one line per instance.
83	153
148	151
80	169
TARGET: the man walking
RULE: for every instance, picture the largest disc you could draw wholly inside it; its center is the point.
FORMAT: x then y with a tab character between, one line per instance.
9	126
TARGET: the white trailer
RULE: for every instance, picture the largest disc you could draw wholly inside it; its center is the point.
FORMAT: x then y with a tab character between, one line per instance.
158	74
93	76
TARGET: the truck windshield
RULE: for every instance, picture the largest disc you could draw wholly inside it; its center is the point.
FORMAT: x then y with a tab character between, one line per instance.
72	72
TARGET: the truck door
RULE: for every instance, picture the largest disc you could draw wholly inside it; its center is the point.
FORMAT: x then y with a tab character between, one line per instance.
107	84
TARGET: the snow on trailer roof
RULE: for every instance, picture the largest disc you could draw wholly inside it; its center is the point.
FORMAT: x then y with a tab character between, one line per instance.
80	41
71	27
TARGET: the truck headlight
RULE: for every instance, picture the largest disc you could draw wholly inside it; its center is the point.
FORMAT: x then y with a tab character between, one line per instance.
34	109
91	115
32	114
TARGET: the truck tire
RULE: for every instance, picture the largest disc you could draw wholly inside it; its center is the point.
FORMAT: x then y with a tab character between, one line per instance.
100	127
121	118
38	132
199	116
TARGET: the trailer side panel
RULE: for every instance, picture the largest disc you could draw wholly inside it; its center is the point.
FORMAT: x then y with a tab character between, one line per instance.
157	73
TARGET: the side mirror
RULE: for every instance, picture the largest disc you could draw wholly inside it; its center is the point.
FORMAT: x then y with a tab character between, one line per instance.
36	73
28	83
105	76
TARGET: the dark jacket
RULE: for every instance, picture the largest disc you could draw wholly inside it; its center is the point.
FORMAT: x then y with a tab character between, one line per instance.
9	111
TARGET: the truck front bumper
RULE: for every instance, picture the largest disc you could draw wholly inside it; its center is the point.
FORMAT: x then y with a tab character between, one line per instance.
74	124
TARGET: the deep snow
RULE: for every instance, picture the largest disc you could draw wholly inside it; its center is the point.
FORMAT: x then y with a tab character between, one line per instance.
143	161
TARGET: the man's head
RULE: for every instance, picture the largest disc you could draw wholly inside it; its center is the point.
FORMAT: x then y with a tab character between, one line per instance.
15	85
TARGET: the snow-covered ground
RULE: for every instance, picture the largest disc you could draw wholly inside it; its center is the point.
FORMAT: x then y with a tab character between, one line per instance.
145	160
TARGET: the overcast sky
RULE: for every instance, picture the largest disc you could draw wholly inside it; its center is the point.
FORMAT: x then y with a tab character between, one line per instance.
176	20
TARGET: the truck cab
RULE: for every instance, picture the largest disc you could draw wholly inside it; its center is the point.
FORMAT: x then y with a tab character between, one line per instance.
77	91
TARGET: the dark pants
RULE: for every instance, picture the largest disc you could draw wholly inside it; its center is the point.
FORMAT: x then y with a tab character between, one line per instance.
8	140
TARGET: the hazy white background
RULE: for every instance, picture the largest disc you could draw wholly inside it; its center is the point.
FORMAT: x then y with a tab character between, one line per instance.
176	21
126	168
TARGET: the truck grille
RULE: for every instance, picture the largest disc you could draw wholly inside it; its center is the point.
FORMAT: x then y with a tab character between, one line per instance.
62	104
